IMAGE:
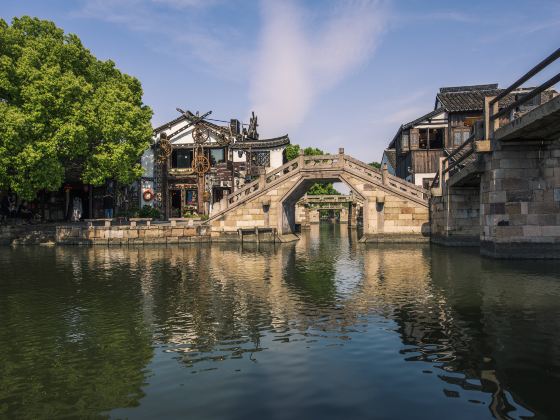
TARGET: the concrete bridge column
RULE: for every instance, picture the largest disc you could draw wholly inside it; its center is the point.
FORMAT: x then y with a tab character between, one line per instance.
520	201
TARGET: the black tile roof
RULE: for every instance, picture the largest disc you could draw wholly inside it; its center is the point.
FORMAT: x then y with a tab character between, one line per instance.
261	143
449	89
469	98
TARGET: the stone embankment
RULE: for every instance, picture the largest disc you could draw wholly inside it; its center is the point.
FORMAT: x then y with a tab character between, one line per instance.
27	234
131	235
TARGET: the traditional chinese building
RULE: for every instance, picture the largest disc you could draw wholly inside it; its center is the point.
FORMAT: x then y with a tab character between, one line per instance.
416	148
193	162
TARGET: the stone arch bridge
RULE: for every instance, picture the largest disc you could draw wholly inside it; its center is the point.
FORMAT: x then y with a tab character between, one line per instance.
394	210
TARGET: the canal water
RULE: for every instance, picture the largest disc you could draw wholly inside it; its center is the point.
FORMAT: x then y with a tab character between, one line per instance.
325	328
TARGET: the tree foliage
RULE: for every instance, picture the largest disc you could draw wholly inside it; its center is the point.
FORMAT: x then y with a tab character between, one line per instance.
375	165
319	188
64	114
292	151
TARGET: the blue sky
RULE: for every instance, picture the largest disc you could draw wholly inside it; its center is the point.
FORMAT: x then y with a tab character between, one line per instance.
328	73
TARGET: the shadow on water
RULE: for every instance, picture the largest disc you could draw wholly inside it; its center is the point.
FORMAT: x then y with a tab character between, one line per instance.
333	327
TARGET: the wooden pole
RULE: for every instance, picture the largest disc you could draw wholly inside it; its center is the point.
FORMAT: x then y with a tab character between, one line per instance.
200	195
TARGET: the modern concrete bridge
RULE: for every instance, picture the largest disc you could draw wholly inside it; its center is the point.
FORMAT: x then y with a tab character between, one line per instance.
501	188
393	209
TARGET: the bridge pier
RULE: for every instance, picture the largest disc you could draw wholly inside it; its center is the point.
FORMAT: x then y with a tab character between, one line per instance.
520	201
455	216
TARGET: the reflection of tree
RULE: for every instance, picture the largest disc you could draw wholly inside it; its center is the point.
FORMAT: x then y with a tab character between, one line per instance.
69	347
202	311
310	272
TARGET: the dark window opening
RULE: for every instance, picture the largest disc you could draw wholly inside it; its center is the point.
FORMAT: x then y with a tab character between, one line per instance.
436	138
218	194
181	158
216	156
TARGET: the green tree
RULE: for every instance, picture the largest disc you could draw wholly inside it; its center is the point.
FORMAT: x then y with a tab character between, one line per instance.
319	188
64	114
375	165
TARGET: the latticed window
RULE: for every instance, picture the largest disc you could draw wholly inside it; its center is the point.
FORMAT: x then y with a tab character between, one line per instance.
260	158
460	135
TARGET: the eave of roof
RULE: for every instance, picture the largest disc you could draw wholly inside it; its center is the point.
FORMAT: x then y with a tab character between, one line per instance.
413	123
423	117
391	157
183	117
261	144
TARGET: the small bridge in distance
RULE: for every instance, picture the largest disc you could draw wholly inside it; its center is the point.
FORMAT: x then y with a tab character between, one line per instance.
309	208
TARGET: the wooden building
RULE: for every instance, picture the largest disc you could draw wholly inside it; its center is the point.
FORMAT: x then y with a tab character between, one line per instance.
419	144
194	162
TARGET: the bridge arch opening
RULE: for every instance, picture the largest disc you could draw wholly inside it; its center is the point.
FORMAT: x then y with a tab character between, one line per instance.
289	203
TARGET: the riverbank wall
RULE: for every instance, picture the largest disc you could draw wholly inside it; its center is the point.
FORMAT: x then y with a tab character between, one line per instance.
131	235
27	234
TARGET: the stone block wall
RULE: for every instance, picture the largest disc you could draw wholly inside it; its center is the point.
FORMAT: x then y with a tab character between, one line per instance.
126	235
455	217
384	213
520	202
394	216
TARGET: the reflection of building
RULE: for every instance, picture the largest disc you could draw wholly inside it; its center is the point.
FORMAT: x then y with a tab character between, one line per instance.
420	144
193	162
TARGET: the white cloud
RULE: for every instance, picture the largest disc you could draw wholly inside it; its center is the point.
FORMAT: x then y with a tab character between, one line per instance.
180	29
183	4
301	56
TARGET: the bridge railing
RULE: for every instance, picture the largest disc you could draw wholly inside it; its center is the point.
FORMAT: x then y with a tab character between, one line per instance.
491	110
383	177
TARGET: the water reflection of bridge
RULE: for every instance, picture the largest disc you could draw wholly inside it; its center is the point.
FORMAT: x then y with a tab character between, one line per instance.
217	302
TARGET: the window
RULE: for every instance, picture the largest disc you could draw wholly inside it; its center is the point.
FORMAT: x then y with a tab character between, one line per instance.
423	138
260	158
460	135
217	156
404	142
190	197
426	182
181	158
436	138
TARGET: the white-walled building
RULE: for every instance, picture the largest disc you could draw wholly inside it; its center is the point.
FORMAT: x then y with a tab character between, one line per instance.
194	163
